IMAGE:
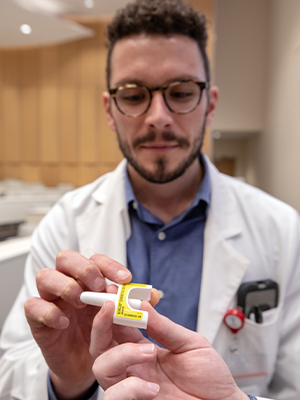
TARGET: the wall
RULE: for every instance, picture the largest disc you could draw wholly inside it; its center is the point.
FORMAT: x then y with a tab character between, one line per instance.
257	67
240	64
277	157
52	123
240	149
240	73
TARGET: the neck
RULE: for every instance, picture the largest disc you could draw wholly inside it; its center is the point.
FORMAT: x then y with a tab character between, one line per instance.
167	200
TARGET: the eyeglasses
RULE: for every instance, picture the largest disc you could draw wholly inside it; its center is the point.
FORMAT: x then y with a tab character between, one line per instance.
181	97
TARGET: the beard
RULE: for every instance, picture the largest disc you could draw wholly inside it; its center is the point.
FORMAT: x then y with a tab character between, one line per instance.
160	174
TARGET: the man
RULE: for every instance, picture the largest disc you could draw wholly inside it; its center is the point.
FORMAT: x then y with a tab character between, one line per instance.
169	216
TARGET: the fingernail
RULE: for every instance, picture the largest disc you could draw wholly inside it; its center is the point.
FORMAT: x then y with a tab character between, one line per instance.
154	387
146	348
122	274
63	322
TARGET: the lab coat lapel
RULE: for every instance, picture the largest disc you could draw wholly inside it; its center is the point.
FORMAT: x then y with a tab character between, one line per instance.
223	266
105	227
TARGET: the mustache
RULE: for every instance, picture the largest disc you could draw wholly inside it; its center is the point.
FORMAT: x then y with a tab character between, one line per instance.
167	136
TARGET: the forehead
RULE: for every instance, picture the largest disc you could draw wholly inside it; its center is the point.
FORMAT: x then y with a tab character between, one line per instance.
155	59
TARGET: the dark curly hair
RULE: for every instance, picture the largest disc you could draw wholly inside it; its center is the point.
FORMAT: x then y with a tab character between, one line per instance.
157	17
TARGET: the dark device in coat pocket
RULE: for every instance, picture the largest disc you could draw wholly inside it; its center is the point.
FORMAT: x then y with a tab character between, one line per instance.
257	297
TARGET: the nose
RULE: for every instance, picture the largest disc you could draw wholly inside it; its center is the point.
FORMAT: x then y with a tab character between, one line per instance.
158	116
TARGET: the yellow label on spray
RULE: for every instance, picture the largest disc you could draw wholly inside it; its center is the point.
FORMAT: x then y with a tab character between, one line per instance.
123	310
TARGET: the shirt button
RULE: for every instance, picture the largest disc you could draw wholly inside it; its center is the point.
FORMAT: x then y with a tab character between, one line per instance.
135	205
161	293
161	236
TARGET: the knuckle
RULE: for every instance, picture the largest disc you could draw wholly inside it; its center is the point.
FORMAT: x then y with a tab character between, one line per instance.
111	267
69	289
41	274
49	316
62	256
105	262
63	253
97	257
87	270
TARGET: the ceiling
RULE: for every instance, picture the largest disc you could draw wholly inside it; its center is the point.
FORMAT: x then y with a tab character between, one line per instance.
47	20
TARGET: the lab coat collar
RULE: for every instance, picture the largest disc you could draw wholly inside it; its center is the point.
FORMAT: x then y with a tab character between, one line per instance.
223	204
107	188
223	267
105	227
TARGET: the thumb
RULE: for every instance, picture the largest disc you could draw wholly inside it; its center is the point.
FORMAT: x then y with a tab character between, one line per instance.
170	335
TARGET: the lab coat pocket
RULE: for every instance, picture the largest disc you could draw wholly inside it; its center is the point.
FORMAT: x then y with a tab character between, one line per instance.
253	351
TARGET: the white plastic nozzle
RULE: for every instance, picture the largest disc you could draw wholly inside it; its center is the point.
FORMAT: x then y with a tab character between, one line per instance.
98	299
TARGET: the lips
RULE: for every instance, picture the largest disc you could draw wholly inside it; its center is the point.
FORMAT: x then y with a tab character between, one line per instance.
159	146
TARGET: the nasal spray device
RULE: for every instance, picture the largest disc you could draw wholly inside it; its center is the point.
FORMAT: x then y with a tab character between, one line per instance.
127	301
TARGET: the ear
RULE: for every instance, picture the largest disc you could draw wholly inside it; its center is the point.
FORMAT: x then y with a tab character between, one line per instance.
213	96
107	106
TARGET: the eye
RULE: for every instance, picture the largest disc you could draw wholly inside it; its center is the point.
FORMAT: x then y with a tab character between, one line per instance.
132	95
180	94
183	92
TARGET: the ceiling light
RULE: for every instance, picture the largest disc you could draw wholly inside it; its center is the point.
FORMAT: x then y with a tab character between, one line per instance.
54	7
26	29
217	135
89	3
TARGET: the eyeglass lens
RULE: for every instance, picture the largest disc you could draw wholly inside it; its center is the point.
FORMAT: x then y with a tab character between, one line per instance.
181	98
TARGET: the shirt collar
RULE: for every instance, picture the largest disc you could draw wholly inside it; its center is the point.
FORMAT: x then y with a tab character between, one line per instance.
204	191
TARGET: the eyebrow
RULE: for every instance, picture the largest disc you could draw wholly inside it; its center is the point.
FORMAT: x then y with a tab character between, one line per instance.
168	82
129	81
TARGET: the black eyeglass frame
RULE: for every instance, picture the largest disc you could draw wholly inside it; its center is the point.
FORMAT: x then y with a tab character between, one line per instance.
163	89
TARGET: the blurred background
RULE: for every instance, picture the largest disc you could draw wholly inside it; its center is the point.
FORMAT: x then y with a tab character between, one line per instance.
53	130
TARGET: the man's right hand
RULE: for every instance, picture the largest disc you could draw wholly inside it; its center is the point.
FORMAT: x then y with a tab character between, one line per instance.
61	324
129	366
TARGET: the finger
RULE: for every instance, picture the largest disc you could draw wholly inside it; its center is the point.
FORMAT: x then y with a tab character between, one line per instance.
112	289
111	269
91	272
52	284
101	334
132	388
125	334
110	334
75	265
111	367
155	297
172	336
41	313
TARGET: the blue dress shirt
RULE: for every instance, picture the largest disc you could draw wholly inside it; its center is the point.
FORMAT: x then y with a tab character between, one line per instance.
169	256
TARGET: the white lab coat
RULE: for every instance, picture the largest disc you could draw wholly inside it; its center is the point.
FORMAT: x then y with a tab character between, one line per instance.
248	236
